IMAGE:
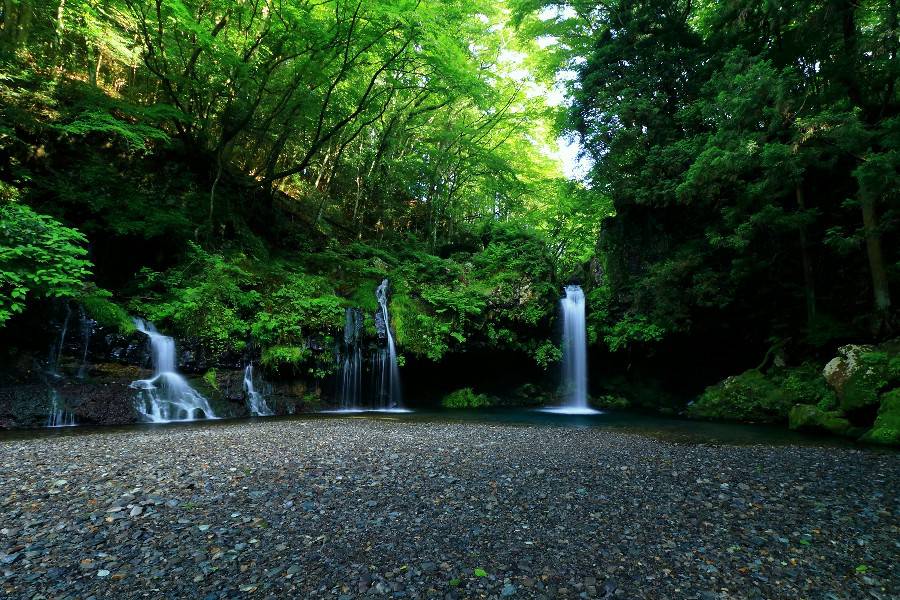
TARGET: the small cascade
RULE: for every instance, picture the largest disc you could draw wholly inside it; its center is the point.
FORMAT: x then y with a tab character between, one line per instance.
87	326
350	382
56	350
574	354
255	400
167	396
59	416
388	392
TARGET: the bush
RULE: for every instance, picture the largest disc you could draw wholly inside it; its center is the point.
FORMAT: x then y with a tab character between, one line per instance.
611	402
39	256
466	398
107	313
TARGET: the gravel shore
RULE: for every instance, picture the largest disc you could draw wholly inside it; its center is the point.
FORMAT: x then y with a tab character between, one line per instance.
368	507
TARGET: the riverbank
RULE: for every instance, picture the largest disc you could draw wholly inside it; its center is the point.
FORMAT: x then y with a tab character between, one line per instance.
346	507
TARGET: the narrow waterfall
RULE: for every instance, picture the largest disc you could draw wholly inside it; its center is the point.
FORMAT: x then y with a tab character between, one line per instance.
574	354
255	400
56	350
59	416
350	382
574	351
389	394
167	396
87	325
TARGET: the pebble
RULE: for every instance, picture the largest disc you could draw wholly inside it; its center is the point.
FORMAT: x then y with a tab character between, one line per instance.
343	508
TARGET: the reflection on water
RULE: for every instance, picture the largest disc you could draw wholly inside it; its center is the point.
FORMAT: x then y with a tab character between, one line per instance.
663	428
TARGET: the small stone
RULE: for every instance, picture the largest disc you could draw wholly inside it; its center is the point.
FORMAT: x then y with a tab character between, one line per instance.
102	573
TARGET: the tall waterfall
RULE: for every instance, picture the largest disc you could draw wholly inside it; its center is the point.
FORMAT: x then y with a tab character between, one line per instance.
350	384
574	351
389	394
255	400
574	354
59	416
167	396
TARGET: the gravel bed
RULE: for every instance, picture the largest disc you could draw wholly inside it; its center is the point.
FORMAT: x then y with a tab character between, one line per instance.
352	507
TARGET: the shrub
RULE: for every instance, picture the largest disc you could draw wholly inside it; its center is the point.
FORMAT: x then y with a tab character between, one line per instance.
39	256
466	398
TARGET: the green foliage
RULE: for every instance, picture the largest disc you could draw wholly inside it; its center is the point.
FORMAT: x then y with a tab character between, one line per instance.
611	402
210	378
750	396
876	371
94	121
209	299
39	258
547	354
886	429
106	313
812	418
466	398
806	385
284	359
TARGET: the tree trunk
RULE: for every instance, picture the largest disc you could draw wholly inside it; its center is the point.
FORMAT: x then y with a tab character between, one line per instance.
880	286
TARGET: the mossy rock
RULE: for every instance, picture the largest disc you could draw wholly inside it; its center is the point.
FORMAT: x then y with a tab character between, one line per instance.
750	396
877	370
466	398
806	417
886	429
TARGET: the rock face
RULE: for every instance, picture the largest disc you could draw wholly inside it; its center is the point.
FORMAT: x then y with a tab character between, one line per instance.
110	403
24	405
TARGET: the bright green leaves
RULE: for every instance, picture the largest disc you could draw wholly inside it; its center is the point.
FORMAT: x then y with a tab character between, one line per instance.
39	257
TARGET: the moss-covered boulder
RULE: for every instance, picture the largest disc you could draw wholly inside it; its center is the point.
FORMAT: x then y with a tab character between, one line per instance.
806	417
877	371
839	369
466	398
886	429
750	396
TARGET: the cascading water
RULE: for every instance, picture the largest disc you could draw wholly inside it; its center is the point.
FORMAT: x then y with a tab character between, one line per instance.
574	354
87	325
59	416
255	400
389	395
56	351
350	384
167	396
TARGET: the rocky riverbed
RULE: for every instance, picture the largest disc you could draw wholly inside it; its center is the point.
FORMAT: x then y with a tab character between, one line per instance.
357	507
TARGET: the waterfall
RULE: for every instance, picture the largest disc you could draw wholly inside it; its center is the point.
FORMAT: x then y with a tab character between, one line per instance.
350	383
255	400
59	416
86	328
574	351
574	354
57	350
167	396
389	394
